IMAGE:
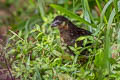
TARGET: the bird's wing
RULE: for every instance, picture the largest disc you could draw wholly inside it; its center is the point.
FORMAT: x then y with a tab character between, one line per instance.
83	31
76	32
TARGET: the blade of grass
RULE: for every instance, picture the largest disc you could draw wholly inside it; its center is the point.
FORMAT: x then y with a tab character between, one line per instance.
104	10
87	15
116	8
107	52
99	5
16	34
115	5
100	8
27	29
66	5
88	9
106	1
41	6
70	14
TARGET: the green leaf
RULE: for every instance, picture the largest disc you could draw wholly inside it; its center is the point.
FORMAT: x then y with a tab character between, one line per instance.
82	38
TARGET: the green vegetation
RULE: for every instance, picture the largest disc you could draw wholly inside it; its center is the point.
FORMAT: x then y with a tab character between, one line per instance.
34	50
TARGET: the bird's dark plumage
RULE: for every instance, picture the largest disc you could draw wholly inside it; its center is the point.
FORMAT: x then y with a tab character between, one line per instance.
68	31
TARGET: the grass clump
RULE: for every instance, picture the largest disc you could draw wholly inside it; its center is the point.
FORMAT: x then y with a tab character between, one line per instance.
38	54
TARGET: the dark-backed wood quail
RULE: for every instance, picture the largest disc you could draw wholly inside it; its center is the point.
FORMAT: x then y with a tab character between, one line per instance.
69	32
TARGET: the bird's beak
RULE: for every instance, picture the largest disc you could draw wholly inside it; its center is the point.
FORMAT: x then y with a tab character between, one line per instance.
53	24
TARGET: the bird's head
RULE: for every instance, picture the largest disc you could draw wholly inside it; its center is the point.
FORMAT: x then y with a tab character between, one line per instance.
59	20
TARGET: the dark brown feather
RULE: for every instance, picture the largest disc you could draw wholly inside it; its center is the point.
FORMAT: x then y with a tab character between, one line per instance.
70	32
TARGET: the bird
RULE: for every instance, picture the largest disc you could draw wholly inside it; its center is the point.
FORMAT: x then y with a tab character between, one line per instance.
69	32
